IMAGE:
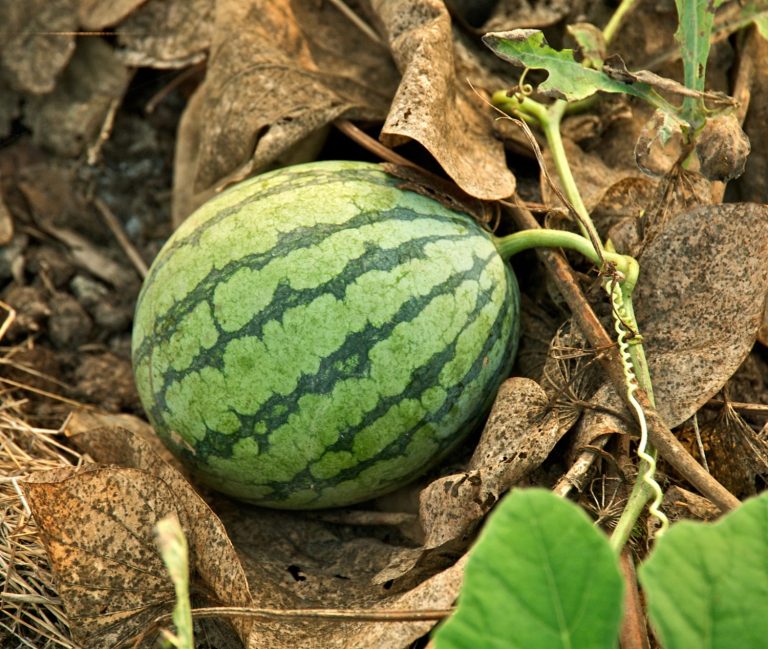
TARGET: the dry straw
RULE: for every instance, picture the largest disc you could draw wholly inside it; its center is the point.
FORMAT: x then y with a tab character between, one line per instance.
31	614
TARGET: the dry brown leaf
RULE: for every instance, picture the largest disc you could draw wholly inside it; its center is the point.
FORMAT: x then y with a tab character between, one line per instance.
85	420
522	14
699	302
624	202
32	54
167	33
283	74
294	561
97	526
291	561
70	119
214	557
439	591
98	14
433	106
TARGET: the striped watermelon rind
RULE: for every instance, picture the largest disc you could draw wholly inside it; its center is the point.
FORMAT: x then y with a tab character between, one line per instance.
316	336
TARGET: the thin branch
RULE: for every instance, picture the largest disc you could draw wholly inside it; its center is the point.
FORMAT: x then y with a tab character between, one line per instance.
114	225
287	615
371	144
634	634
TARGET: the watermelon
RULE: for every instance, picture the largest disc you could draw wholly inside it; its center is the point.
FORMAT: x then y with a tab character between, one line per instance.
317	336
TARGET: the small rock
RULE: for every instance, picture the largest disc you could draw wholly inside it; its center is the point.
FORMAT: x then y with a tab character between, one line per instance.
53	263
69	325
102	304
12	257
31	309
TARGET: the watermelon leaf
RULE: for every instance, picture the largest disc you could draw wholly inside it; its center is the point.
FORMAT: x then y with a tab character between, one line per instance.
539	576
707	584
568	79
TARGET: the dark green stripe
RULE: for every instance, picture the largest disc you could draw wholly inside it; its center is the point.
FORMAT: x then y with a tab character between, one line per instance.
277	409
429	374
166	324
286	297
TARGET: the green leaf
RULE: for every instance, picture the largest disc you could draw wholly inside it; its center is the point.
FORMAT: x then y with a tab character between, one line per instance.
707	584
541	575
568	79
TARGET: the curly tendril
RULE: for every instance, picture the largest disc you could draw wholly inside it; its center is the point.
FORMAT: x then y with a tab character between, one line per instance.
620	317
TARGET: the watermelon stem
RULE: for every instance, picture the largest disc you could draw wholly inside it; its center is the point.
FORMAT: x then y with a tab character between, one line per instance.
512	244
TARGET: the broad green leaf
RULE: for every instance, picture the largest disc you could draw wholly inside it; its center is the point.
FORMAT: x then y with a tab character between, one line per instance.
707	584
695	20
567	79
540	575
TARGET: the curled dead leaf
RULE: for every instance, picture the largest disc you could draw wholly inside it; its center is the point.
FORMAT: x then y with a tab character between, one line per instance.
70	118
167	33
30	62
98	14
280	77
435	108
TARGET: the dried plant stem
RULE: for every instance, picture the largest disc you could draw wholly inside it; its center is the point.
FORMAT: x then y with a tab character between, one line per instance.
577	473
371	144
660	434
634	634
324	614
114	225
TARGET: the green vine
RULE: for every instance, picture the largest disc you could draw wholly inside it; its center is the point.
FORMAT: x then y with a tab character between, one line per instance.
621	274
